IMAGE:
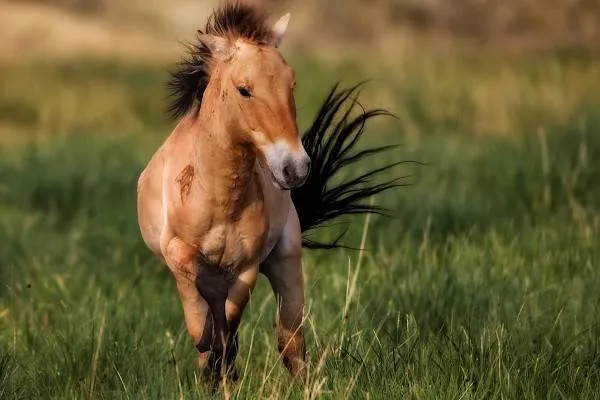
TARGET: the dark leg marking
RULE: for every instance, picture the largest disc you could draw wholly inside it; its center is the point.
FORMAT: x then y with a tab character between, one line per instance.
213	286
206	339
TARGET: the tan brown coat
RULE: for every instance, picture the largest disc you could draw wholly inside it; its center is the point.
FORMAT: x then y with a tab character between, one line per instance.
214	202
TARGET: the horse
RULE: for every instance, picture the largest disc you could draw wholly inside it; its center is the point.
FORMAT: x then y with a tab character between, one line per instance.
234	190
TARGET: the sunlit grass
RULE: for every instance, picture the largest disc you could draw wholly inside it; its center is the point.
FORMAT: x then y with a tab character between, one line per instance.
485	283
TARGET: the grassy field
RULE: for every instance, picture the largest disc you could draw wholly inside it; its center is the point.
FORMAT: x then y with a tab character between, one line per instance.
485	284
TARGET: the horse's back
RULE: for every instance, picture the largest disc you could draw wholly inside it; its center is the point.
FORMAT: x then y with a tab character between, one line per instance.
152	188
150	202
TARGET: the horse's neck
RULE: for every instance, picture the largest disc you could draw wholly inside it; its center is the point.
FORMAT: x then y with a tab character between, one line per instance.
227	169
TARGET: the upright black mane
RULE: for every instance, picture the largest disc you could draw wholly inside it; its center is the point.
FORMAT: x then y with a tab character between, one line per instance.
233	20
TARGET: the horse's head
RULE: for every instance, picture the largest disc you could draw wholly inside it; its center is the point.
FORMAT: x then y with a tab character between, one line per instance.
256	89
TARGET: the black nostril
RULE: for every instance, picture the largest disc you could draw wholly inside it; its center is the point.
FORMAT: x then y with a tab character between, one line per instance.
308	164
286	171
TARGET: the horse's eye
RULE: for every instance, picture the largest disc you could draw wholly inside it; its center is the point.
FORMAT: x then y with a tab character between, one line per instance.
244	92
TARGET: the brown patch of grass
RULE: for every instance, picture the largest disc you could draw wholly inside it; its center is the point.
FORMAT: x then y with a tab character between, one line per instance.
35	30
384	28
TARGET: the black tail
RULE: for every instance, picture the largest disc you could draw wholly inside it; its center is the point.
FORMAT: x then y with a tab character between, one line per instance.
330	142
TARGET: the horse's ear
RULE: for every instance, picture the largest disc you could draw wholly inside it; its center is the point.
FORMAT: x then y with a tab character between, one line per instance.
219	47
279	29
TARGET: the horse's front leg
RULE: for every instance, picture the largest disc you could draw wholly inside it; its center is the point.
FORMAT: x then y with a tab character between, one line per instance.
227	305
213	286
238	295
181	260
283	268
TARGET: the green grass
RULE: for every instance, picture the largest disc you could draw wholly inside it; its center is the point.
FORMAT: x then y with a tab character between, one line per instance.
485	284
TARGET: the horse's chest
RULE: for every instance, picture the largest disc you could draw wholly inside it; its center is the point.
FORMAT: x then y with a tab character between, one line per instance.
234	244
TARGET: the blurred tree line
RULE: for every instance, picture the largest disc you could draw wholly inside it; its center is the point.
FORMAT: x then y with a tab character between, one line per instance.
546	22
83	6
481	21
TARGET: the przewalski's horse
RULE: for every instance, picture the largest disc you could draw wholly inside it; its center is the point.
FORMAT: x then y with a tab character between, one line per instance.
231	190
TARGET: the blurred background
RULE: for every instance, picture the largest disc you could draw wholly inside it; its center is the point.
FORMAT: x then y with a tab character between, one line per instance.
487	277
385	27
497	59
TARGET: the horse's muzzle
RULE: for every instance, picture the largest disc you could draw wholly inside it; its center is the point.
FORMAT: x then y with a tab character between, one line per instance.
289	169
295	172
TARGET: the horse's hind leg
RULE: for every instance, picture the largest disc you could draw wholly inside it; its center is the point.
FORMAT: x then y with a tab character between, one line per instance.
283	268
285	275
